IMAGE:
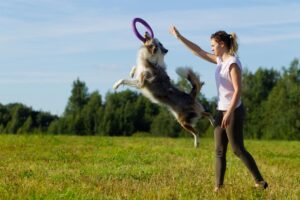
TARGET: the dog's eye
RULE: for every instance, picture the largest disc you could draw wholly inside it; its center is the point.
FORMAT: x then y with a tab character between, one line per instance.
154	49
150	46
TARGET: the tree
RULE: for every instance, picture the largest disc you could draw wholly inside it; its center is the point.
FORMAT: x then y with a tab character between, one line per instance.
26	127
79	97
145	113
42	120
5	117
78	127
73	121
54	127
19	114
119	115
256	88
165	125
281	115
90	113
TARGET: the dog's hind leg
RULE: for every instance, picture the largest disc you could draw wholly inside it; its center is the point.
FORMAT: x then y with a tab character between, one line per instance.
209	117
192	130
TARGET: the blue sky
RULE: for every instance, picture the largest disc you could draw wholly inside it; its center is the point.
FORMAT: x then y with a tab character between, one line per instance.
47	44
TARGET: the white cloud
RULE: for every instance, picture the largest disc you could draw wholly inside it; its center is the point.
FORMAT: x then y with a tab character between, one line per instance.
200	19
269	39
93	74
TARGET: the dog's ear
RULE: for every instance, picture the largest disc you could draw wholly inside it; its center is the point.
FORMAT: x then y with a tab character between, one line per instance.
147	37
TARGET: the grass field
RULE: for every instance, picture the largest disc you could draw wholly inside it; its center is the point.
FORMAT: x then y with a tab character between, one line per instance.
74	167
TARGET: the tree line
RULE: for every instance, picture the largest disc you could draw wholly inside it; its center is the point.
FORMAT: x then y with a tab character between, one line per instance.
271	98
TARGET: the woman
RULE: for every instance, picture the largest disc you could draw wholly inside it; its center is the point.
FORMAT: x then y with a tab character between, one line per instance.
230	110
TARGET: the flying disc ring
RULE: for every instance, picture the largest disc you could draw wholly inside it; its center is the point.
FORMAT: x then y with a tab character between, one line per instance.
147	26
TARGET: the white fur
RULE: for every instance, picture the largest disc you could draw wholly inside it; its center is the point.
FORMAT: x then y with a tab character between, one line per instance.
143	55
148	94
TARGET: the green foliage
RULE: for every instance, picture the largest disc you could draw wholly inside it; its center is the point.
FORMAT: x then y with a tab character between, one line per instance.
282	109
119	113
26	127
146	112
256	88
78	98
19	115
92	114
164	124
17	118
272	102
271	98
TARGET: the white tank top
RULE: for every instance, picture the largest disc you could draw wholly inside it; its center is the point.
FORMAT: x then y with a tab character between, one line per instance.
224	84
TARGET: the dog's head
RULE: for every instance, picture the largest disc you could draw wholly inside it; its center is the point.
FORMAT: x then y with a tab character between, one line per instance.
153	45
153	50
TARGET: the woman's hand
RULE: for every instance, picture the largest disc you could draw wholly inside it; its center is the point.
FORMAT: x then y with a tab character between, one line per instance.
174	31
226	120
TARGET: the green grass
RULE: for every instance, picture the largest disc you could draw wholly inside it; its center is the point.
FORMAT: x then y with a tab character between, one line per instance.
74	167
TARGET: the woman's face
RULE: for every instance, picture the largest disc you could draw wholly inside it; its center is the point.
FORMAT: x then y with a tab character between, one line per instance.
217	47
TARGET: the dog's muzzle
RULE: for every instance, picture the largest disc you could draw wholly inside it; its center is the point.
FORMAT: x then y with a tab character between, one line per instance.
164	51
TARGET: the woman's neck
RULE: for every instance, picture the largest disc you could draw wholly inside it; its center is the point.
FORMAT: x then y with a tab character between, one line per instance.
225	56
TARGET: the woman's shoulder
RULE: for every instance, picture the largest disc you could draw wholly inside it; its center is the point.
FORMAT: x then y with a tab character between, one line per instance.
235	60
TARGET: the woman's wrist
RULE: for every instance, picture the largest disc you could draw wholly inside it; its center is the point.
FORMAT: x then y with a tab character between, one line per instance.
229	111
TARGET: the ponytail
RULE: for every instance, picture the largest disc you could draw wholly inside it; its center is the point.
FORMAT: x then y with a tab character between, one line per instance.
233	44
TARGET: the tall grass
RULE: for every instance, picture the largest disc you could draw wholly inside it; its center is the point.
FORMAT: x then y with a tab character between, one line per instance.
74	167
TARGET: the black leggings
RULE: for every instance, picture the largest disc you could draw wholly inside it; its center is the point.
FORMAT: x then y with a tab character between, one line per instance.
234	134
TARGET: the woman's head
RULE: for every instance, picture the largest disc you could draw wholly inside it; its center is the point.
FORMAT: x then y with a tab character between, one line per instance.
222	42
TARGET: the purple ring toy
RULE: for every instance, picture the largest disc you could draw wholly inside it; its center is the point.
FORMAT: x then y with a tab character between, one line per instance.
138	35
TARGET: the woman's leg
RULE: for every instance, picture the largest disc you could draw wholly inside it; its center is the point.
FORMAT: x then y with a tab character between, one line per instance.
235	136
221	143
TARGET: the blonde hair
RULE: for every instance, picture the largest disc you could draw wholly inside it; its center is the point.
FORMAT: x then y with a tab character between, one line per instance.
234	45
230	40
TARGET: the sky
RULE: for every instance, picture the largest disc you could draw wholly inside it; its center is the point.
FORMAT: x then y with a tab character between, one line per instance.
45	45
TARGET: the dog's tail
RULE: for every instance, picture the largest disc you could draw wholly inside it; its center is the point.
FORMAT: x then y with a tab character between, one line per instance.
188	73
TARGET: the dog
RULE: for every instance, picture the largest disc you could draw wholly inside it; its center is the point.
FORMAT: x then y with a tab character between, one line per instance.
151	78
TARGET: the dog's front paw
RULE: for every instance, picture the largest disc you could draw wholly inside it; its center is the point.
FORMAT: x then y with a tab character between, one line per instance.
117	84
132	72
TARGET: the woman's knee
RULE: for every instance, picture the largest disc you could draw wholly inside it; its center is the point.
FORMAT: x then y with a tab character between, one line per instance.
220	151
238	151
